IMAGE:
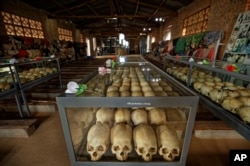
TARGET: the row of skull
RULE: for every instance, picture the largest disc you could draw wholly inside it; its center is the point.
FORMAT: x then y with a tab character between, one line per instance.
121	137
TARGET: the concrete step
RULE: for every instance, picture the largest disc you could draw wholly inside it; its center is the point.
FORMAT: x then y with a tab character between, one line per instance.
33	105
18	128
215	130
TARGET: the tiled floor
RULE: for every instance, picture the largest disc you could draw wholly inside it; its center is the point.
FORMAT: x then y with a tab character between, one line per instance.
47	147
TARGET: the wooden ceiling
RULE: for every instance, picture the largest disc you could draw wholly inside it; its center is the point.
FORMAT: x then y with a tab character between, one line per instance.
107	17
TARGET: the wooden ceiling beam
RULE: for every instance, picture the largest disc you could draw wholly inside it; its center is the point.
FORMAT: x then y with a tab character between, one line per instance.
136	10
104	16
124	27
93	11
63	7
169	12
73	7
116	33
156	11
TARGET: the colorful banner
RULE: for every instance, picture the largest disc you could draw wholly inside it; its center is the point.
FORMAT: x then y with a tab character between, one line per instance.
238	46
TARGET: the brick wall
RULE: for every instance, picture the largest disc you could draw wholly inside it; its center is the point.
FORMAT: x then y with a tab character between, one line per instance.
223	15
49	26
193	8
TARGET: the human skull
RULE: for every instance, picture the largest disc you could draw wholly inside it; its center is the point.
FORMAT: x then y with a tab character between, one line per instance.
168	143
157	116
244	92
122	115
105	115
184	77
169	70
82	116
234	93
198	85
121	140
145	141
244	113
205	89
232	104
139	116
98	140
175	114
245	100
217	95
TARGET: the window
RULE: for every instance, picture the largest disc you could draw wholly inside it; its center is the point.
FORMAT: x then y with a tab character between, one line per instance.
21	26
196	23
65	34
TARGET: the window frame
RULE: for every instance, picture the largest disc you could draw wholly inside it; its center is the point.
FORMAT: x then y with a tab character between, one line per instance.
65	34
196	22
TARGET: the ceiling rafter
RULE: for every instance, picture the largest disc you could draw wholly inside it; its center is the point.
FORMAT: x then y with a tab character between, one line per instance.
118	12
106	27
112	6
98	15
93	11
156	11
169	12
136	10
63	7
105	16
73	7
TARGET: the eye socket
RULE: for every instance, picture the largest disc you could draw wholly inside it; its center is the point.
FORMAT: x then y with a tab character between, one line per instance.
126	148
175	151
100	148
165	150
152	149
141	150
116	148
90	148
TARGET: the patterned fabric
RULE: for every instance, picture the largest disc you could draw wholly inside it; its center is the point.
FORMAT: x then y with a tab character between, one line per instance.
200	40
183	43
212	36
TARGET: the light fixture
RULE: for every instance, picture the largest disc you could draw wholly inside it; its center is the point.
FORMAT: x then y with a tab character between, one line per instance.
143	34
160	19
146	29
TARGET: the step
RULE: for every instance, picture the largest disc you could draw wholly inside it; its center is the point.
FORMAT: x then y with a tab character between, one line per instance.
18	128
34	106
214	130
45	96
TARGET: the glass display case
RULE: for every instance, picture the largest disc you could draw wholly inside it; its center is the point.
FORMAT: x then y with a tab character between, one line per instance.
7	81
223	87
32	72
28	73
134	115
8	85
